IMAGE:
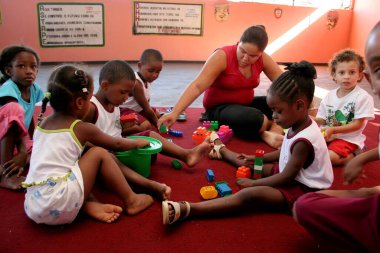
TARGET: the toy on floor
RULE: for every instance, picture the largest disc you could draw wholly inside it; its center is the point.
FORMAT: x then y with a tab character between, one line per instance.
243	172
211	125
176	164
200	135
208	192
181	116
175	133
225	133
258	165
163	129
132	117
223	188
210	175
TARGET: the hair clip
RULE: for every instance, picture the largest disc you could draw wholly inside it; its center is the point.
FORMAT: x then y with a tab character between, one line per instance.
79	73
48	95
84	90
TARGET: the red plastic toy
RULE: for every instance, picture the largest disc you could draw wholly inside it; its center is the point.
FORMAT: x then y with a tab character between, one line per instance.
243	172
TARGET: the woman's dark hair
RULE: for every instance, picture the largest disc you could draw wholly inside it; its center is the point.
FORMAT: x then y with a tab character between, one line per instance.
114	71
296	81
65	84
256	35
7	56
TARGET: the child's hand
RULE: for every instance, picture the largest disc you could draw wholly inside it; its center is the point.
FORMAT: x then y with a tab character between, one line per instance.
244	182
129	124
328	132
249	159
15	165
352	171
141	143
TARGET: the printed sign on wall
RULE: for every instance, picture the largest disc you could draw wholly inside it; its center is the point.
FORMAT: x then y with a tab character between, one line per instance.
167	18
71	24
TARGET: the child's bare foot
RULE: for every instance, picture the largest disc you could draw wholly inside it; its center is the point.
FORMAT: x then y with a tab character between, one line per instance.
272	139
102	212
244	182
138	203
12	183
198	152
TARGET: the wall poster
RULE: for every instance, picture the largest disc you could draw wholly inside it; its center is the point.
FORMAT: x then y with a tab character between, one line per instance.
167	18
71	24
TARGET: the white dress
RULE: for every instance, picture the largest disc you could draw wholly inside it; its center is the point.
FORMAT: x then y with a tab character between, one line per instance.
55	191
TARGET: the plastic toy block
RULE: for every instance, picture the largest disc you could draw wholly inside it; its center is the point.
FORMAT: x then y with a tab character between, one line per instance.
210	175
206	124
243	172
128	117
163	129
258	165
259	153
208	192
175	133
214	125
200	135
176	164
223	188
225	133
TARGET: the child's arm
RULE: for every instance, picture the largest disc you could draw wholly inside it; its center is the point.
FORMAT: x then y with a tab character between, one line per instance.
320	121
139	95
88	132
355	125
268	157
354	168
300	153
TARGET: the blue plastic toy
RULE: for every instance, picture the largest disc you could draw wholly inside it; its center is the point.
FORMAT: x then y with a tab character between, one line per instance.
175	133
210	175
223	188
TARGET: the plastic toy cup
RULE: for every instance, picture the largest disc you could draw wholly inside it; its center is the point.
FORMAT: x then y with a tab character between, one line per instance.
140	159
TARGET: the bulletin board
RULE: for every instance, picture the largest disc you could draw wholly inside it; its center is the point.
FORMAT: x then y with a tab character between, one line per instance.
71	24
167	18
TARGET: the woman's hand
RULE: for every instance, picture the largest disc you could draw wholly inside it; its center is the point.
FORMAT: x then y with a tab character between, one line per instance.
167	119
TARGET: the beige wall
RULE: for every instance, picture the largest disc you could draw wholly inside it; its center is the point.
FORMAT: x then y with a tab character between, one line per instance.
316	43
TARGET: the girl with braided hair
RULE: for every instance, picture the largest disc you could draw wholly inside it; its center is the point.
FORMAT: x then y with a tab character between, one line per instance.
303	162
61	177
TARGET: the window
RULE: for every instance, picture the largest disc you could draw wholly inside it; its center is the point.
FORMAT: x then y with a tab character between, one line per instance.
333	4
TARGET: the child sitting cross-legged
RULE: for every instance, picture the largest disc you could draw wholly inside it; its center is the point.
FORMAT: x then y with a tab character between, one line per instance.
303	166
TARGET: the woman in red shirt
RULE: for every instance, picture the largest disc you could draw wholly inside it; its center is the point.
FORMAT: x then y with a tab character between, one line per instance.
228	79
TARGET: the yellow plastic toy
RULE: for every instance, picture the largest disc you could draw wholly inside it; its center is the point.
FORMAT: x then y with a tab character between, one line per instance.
208	192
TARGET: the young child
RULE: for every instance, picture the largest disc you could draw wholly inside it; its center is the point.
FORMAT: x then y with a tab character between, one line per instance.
345	111
18	96
348	220
60	178
149	68
303	166
116	81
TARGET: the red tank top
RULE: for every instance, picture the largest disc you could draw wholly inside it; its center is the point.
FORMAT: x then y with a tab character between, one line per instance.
231	86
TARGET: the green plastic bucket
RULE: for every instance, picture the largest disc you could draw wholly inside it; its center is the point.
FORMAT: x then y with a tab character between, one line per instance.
140	159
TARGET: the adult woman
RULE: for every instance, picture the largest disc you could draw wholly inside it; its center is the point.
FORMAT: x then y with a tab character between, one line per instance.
228	78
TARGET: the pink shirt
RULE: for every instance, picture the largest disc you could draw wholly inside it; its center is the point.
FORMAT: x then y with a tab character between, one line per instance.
231	86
